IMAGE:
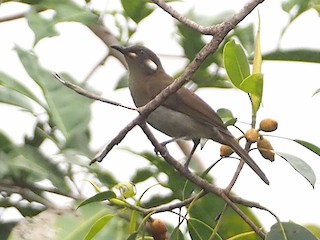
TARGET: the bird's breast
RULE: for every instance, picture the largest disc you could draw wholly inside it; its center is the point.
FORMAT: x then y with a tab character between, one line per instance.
176	124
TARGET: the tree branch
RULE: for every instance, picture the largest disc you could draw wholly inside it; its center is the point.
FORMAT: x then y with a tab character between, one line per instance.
206	186
116	140
211	30
87	94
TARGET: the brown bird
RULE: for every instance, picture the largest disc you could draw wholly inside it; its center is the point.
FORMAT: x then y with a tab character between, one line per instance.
183	114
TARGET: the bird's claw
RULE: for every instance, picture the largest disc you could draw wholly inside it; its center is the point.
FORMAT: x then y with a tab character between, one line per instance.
163	144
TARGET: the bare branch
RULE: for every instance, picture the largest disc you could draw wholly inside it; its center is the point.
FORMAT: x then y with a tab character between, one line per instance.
180	204
116	140
25	192
238	170
181	18
211	30
87	94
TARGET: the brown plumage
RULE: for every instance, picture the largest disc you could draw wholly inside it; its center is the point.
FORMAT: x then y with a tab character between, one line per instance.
183	114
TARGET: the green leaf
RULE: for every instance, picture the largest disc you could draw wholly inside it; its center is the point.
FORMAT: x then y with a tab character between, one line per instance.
71	226
31	2
133	236
13	98
226	116
133	221
40	26
69	11
142	175
39	135
314	228
190	40
208	208
99	197
175	181
137	10
309	146
316	6
199	230
302	55
289	231
159	199
204	79
6	170
13	84
98	225
105	177
257	58
6	145
69	112
295	7
236	63
300	166
253	85
32	161
176	234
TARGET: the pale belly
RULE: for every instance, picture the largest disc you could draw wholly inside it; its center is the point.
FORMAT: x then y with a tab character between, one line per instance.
177	125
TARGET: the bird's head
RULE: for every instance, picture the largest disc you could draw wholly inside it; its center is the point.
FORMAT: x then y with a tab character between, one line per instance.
140	60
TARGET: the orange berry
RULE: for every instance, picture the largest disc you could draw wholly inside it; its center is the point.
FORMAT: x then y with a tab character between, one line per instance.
265	148
268	125
252	135
225	151
158	229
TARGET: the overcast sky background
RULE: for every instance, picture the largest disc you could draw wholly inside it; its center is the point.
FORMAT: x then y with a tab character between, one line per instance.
287	98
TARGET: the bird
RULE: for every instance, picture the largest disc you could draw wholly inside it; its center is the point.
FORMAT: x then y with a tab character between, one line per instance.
183	114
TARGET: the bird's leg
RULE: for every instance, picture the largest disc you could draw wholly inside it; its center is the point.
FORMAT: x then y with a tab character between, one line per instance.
195	145
169	141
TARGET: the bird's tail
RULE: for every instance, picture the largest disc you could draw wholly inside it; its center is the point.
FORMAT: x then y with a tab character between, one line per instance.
248	160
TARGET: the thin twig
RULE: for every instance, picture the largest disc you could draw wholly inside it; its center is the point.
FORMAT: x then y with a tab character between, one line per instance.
180	204
115	141
238	170
181	18
87	94
210	30
26	193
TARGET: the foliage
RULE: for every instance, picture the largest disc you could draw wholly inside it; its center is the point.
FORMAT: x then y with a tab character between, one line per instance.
62	118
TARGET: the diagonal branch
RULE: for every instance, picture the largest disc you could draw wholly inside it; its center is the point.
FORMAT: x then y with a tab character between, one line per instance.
116	140
206	186
87	94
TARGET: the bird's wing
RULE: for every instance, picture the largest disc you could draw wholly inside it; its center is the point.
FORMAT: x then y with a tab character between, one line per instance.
189	103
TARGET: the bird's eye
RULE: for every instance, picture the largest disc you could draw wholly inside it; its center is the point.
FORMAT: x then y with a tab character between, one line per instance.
141	52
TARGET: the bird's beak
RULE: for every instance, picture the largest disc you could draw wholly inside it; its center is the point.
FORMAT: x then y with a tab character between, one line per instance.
120	49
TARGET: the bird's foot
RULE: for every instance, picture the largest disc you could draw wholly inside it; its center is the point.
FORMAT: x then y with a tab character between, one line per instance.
163	144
